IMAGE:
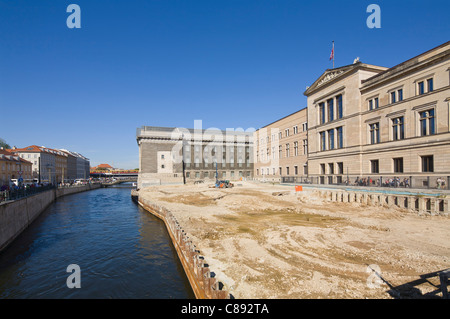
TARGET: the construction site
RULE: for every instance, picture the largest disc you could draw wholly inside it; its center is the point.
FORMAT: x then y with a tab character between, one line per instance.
271	241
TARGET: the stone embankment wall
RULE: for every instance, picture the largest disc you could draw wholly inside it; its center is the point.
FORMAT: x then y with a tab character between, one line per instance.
422	204
16	216
195	266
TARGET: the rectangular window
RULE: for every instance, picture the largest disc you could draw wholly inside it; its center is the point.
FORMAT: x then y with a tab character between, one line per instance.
322	169
340	111
400	94
374	133
375	166
296	170
331	139
340	138
295	148
427	164
370	104
288	152
427	120
287	171
393	97
331	168
305	147
340	167
398	165
330	104
322	113
377	105
280	151
398	129
295	129
323	141
421	88
430	85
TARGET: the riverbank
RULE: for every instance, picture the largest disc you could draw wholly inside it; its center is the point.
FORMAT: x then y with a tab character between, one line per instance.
17	215
265	241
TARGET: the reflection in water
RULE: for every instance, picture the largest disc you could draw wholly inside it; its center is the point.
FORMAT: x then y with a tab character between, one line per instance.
122	251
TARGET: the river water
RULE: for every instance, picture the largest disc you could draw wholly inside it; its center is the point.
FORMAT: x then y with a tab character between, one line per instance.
122	252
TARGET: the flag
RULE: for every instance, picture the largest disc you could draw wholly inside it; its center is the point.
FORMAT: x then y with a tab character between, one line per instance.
332	53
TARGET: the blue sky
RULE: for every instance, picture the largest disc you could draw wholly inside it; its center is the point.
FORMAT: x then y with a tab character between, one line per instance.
229	63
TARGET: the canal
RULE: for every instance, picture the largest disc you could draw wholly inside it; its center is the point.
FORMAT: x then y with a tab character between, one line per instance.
122	252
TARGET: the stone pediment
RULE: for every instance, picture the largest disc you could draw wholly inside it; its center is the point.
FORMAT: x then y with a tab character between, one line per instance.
328	76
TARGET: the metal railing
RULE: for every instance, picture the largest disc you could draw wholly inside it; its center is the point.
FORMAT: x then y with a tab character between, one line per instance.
15	193
416	182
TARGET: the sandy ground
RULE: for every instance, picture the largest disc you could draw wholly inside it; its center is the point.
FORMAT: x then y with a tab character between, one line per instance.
299	245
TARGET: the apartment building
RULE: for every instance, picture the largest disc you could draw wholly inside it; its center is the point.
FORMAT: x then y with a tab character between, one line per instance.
43	161
79	166
382	123
281	149
178	155
14	167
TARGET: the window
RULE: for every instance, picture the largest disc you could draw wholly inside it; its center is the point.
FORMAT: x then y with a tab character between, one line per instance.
331	168
288	152
322	113
295	129
295	170
340	167
427	120
398	129
330	104
280	151
305	127
286	132
393	100
374	133
305	147
281	171
162	166
340	138
427	163
280	135
398	165
322	141
421	87
340	111
430	85
400	94
322	169
287	171
295	148
331	139
373	104
375	166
